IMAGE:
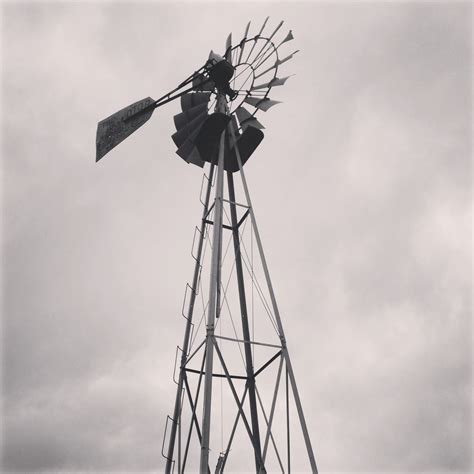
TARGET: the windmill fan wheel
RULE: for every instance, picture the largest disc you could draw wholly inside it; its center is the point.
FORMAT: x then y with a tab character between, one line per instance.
244	75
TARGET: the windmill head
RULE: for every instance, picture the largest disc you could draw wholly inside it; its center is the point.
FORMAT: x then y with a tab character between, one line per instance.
200	125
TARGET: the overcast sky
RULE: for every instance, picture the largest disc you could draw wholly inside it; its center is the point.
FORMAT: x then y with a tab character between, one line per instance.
362	192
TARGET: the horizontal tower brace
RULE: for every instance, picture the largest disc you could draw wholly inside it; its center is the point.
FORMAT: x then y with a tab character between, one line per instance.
194	371
247	342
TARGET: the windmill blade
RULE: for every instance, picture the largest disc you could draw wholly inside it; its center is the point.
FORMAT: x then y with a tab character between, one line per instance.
116	128
181	119
246	143
228	47
185	149
190	100
262	104
278	62
284	60
243	42
247	30
208	138
256	37
263	26
262	58
267	42
288	37
203	139
195	158
246	119
274	82
184	132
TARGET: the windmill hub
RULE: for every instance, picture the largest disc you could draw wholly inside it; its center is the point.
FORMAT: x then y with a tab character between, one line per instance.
221	73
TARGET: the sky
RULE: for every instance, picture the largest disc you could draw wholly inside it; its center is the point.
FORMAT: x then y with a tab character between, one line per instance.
362	194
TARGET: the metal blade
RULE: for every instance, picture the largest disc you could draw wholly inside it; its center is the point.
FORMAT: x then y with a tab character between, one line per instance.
263	26
246	144
246	119
277	63
116	128
262	104
192	99
187	147
274	82
255	39
247	30
242	43
204	138
288	37
284	60
275	31
228	47
183	118
195	158
263	57
268	41
183	133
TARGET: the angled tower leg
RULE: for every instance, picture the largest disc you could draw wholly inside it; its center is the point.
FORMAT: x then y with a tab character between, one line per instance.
214	299
245	327
187	333
276	311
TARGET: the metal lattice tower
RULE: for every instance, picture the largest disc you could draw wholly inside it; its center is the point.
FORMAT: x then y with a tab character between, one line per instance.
234	360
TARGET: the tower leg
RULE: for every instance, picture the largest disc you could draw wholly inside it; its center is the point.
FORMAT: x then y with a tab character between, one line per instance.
214	291
187	333
245	327
285	354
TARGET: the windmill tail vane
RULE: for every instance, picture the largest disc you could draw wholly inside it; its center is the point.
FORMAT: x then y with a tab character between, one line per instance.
217	126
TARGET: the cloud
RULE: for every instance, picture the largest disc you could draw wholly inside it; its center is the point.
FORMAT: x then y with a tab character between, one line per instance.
362	193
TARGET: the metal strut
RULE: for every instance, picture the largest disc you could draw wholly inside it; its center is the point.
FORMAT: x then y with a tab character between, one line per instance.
276	311
214	296
187	333
245	327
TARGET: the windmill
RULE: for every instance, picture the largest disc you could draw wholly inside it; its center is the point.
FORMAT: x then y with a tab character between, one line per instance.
217	127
